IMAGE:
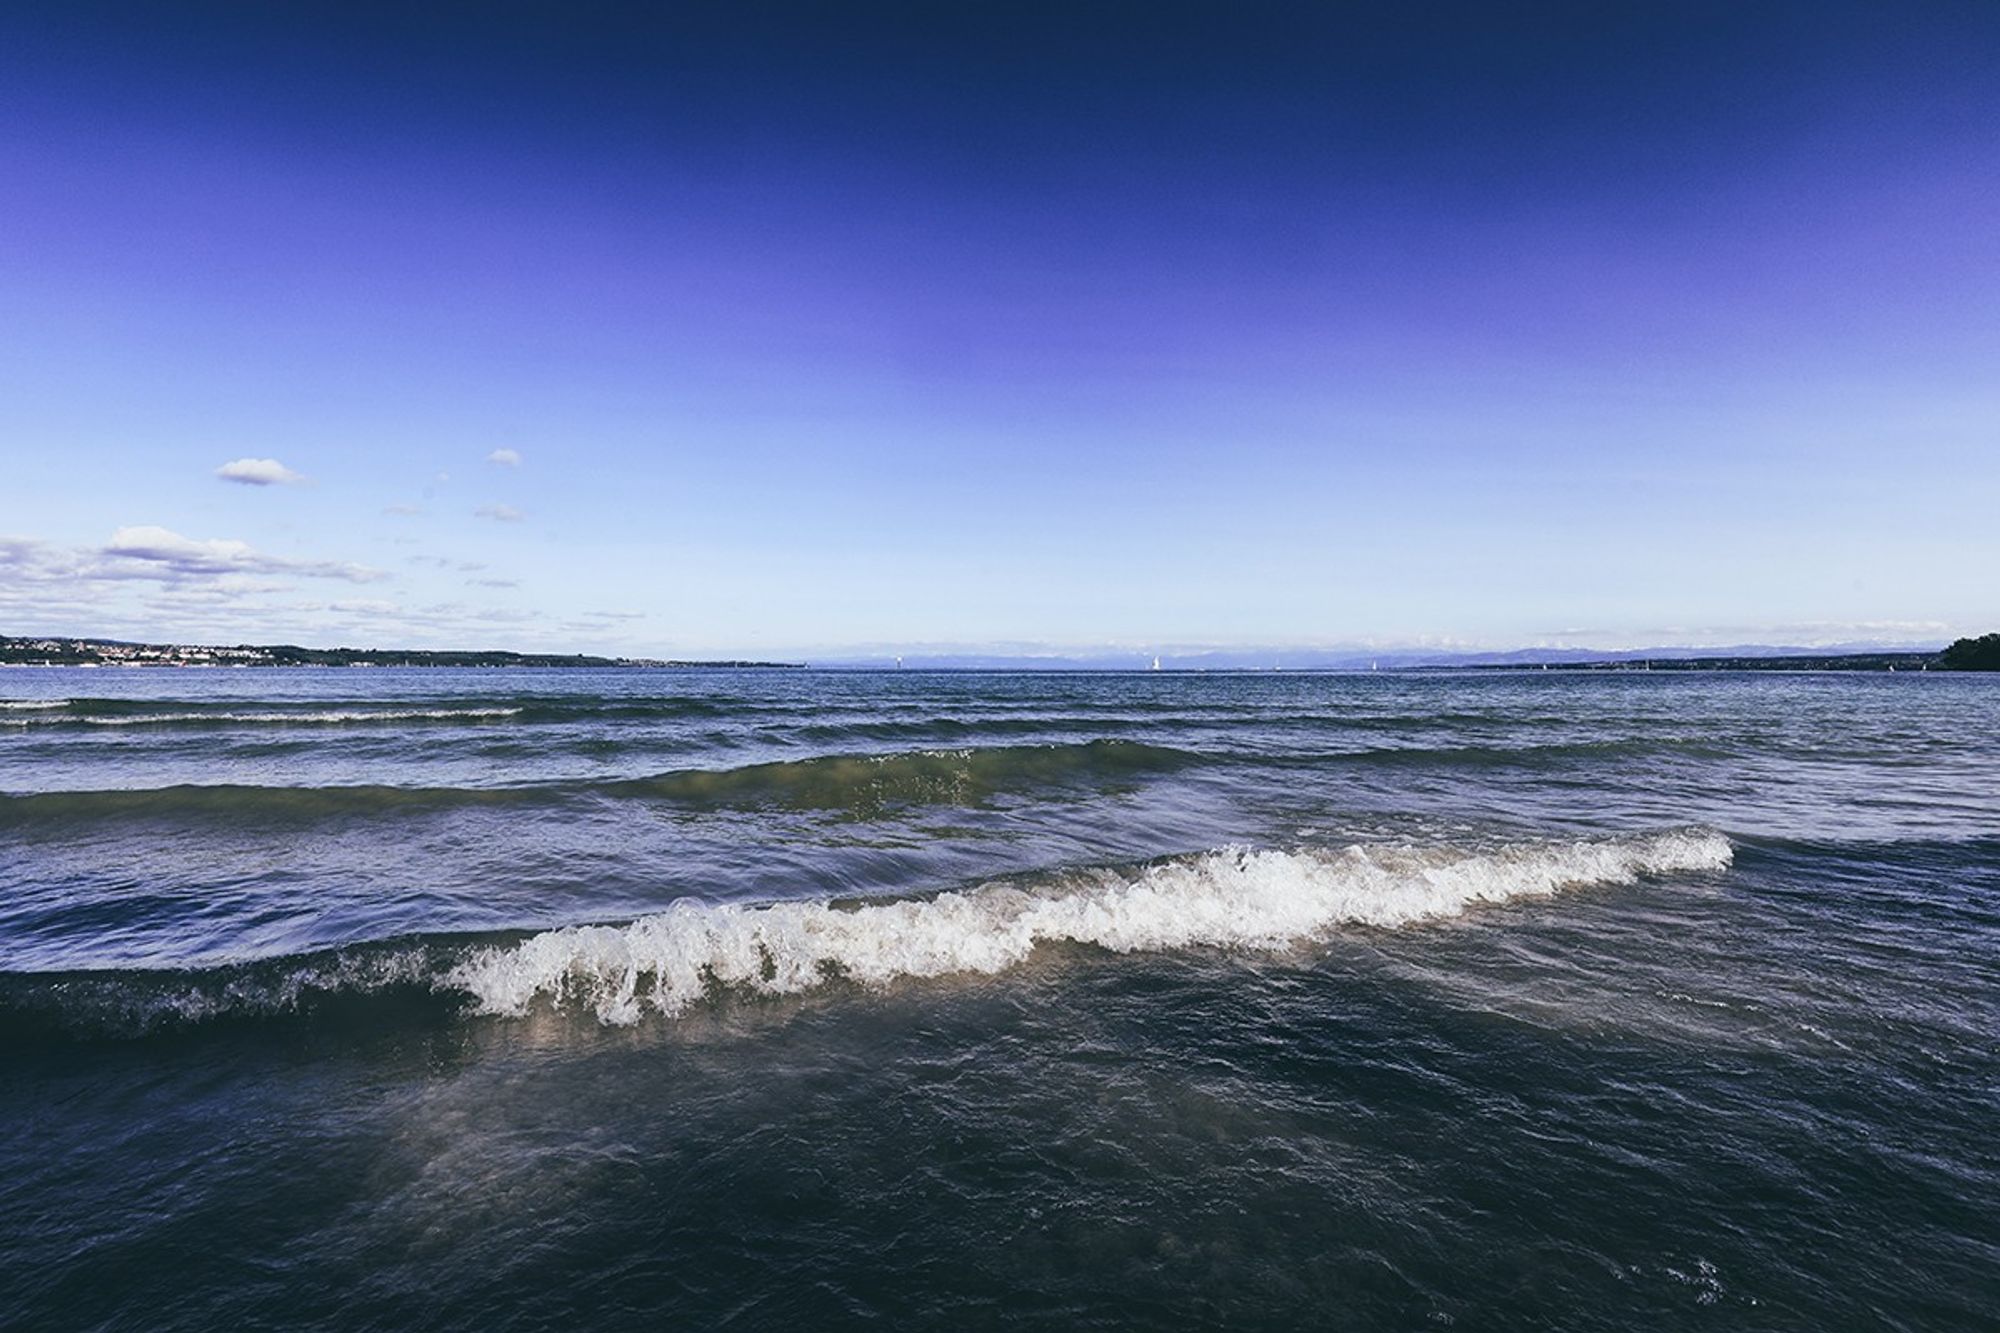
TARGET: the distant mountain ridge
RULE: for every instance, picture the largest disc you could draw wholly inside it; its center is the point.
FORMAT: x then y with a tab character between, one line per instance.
1846	656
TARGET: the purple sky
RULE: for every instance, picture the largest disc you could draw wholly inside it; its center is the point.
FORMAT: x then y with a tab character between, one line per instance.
823	327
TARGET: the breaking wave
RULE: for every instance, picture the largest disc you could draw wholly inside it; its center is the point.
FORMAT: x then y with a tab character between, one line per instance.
1233	898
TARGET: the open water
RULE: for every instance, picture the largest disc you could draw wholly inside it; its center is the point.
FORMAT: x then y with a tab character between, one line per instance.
519	999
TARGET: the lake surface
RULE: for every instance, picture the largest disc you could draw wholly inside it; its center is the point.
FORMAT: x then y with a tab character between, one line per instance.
462	999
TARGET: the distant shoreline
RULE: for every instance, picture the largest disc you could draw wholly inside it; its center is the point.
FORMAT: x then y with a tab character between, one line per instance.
58	651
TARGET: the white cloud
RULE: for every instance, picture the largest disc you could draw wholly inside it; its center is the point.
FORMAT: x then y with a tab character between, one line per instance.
258	472
403	511
499	513
1785	634
170	548
164	554
153	584
505	457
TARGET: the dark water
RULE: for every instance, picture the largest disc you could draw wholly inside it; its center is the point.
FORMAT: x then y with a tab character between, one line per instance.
524	999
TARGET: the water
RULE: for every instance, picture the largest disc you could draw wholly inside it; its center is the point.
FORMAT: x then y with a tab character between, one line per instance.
460	999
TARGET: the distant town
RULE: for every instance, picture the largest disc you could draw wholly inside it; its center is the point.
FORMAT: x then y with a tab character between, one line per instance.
55	651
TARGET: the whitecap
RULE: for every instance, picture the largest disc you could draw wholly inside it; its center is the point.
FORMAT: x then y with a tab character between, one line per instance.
1232	898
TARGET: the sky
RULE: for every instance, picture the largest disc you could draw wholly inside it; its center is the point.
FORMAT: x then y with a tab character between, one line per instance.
791	329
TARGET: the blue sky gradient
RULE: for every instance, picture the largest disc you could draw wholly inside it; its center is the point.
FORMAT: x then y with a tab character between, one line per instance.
834	328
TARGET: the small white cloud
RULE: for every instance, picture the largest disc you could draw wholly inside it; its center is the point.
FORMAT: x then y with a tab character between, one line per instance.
404	510
499	513
258	472
505	457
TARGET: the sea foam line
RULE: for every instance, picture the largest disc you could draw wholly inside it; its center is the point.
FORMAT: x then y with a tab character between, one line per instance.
317	717
1233	898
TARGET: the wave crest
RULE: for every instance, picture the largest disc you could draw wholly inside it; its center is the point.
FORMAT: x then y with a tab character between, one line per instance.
858	785
863	782
1233	898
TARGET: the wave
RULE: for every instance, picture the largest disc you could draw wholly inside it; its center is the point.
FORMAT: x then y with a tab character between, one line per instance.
233	803
1522	754
859	785
1232	898
865	782
301	717
136	1002
529	708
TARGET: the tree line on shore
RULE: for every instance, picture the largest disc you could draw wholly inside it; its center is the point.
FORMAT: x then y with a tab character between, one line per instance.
1980	654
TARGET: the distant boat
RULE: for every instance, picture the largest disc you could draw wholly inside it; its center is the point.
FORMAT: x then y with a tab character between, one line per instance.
1156	664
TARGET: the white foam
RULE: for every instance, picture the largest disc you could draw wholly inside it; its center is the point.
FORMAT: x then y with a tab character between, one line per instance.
10	705
318	717
1231	898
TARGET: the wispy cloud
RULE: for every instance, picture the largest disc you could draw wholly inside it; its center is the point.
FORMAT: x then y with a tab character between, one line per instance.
505	457
500	513
403	511
1789	634
185	555
492	583
89	588
258	472
155	584
167	555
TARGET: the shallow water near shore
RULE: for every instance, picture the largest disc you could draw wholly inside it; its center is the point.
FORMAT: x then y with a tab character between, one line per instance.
535	998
